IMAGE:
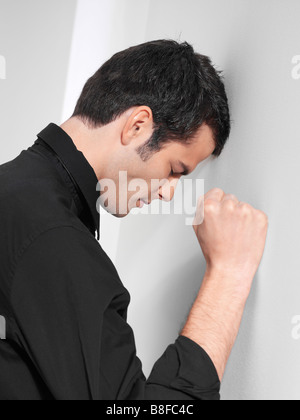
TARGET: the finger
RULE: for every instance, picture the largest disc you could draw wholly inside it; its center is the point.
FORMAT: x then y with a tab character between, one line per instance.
199	216
231	197
243	204
215	194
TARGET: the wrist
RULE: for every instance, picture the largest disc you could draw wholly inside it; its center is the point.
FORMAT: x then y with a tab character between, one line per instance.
214	320
233	284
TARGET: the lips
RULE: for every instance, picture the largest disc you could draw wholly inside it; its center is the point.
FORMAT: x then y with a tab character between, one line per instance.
146	202
141	203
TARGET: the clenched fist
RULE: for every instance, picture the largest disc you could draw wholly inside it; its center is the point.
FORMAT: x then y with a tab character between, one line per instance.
232	235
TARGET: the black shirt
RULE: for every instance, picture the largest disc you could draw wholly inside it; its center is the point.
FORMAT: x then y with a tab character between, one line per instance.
62	304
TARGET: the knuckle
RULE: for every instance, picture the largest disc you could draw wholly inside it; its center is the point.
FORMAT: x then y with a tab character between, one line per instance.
263	218
217	191
230	197
229	204
210	205
245	209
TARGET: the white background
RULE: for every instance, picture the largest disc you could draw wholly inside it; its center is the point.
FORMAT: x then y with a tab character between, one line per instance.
51	48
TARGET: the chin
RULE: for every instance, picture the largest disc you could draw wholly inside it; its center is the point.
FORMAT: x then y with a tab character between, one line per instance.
114	210
120	216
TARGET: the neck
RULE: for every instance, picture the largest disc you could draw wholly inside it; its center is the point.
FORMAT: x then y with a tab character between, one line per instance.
93	143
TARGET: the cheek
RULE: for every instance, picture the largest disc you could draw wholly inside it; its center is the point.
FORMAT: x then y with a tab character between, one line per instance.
158	171
148	177
139	189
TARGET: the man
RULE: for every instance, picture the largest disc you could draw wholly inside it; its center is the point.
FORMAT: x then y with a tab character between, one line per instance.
155	111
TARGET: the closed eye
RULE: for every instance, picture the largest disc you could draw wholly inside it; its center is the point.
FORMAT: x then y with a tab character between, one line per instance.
179	174
185	170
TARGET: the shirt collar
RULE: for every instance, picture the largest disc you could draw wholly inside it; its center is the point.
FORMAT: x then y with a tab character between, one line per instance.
77	165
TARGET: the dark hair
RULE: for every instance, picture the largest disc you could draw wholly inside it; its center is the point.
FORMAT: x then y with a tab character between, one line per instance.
182	88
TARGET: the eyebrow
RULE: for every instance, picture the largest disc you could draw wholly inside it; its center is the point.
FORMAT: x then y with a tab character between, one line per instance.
185	169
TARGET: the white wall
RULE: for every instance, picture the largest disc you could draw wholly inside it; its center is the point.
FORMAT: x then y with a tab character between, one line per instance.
158	257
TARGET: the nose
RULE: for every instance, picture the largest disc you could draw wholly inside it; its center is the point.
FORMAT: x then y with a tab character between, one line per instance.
167	191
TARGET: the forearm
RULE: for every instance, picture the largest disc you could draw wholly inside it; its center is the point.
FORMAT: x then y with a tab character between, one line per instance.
215	318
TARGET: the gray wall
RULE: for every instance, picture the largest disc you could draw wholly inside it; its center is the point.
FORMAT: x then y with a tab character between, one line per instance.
35	40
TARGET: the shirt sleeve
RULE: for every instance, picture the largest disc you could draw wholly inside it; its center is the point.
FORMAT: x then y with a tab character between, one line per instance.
70	310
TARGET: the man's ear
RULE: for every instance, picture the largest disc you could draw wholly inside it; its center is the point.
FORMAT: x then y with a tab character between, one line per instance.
139	126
